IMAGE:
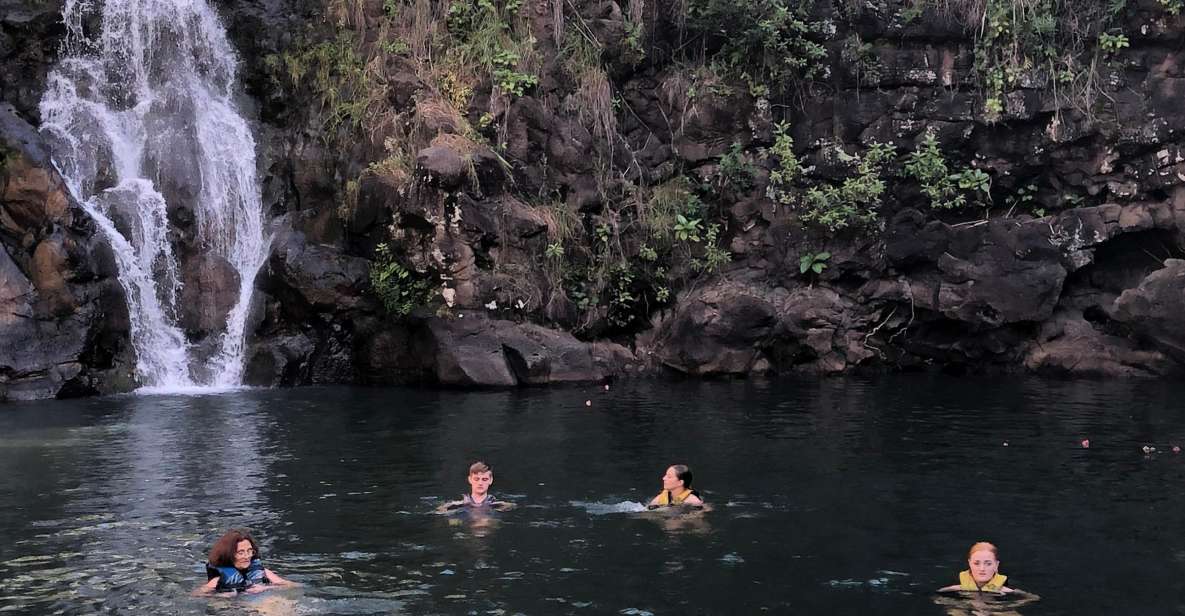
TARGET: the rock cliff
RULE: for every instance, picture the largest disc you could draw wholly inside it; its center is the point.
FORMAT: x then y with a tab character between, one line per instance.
525	192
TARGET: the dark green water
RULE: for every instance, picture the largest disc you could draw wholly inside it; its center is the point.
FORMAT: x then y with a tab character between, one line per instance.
832	497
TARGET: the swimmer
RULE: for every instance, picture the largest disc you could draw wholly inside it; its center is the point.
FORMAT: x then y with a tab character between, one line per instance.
676	489
983	573
481	476
235	566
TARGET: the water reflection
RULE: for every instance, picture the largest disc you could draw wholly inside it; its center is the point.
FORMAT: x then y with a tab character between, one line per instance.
676	521
478	523
982	604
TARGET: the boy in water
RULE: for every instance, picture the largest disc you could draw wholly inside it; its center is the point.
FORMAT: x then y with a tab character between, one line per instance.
481	476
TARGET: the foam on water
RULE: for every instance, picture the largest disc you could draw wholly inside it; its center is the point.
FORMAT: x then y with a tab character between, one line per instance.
609	508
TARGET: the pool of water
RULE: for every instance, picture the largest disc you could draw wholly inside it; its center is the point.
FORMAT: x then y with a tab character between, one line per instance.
829	497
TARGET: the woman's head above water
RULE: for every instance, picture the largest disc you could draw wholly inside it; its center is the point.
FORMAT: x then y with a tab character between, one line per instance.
237	548
983	561
677	477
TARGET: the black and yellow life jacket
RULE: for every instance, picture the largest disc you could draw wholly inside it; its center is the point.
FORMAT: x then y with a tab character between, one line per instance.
966	582
667	498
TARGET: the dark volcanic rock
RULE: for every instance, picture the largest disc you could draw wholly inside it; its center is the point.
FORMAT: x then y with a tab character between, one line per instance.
63	319
1071	345
1155	310
211	288
307	276
469	352
719	330
474	351
443	166
30	34
282	360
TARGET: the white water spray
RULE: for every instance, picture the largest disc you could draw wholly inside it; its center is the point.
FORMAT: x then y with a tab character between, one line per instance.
140	115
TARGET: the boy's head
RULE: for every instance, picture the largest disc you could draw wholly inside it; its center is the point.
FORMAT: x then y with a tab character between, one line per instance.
480	478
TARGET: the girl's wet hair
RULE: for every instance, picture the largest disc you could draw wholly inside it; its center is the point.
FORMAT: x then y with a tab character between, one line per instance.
683	474
980	546
223	552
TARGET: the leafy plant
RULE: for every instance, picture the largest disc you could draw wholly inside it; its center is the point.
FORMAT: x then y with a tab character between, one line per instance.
485	33
399	288
813	262
1173	7
788	168
604	233
1024	197
336	73
714	256
927	165
507	78
855	201
1112	43
974	180
734	171
775	40
945	190
686	229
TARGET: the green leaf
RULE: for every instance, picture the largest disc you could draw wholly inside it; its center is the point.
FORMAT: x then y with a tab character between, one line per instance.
817	268
822	256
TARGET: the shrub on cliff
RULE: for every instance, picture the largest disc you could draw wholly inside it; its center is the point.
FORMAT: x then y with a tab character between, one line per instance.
775	39
398	287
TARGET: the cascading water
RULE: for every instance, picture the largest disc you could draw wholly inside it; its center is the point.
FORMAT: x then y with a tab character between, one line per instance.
141	117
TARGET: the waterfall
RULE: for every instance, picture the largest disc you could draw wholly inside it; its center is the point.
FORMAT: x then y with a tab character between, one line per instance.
140	115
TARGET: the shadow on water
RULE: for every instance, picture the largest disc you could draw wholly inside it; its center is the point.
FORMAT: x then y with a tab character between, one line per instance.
838	496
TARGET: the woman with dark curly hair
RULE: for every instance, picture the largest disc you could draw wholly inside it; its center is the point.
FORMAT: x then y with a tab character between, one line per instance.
235	566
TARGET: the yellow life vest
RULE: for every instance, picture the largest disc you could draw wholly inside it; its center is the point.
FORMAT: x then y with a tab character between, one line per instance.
966	582
667	498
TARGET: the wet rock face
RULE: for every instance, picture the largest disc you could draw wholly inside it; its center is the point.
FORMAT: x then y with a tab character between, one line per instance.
63	318
30	32
210	291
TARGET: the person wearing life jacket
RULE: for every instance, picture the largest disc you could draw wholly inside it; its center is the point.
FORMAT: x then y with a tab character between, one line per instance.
479	498
983	572
235	566
676	489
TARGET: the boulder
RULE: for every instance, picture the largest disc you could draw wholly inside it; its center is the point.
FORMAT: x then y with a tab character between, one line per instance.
306	276
443	167
282	360
1069	345
717	330
1155	310
475	351
209	292
468	352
